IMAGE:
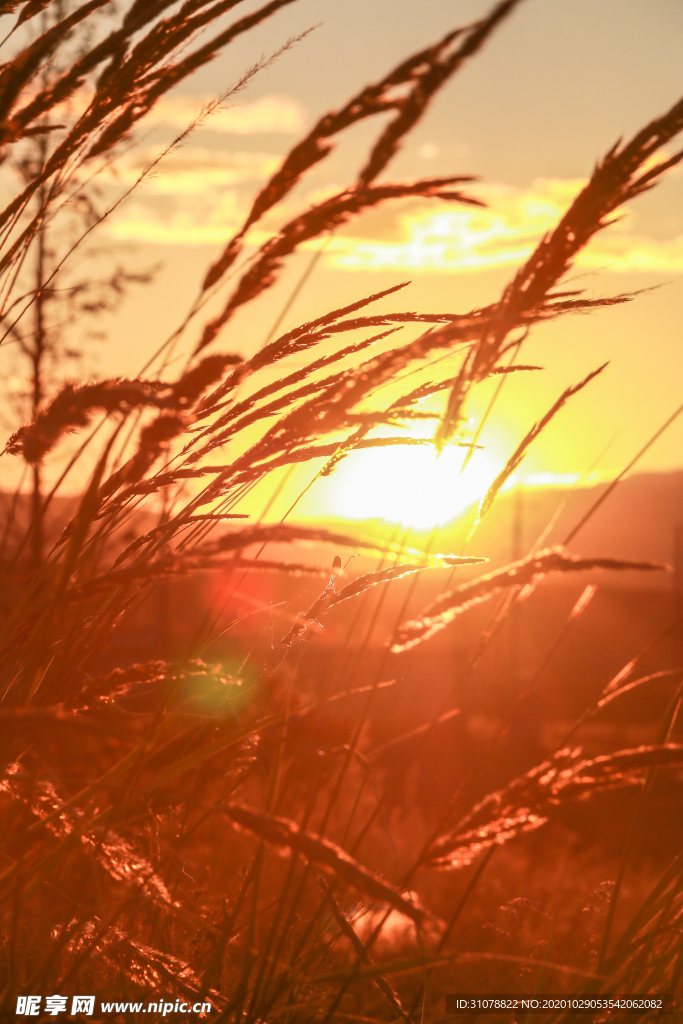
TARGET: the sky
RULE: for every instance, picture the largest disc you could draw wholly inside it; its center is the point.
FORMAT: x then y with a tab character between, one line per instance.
557	85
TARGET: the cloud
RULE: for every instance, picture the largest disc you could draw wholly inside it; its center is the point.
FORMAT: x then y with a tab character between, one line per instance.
626	253
458	238
279	115
193	170
193	198
429	239
185	225
194	221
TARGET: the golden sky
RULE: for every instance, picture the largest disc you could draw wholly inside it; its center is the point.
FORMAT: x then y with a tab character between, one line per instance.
557	85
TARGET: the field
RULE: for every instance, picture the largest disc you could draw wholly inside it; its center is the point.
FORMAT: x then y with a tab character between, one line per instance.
260	768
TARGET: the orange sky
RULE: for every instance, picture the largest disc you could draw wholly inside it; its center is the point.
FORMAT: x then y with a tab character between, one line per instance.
558	84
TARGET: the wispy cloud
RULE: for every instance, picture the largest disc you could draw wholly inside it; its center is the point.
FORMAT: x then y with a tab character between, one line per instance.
188	224
195	197
193	170
455	239
428	239
278	115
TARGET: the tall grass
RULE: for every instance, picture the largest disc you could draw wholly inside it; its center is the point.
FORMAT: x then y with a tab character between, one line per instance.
142	845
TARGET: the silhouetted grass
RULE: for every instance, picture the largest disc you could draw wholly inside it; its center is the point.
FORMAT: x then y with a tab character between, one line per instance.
167	824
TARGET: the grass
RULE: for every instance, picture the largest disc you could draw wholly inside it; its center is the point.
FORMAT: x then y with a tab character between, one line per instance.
175	828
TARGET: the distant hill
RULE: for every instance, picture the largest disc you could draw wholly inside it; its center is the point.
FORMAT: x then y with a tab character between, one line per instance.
637	521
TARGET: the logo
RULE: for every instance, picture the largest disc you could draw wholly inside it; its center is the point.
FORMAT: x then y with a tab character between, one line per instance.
83	1004
29	1006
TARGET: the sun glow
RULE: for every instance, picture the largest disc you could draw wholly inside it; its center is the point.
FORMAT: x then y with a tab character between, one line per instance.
409	485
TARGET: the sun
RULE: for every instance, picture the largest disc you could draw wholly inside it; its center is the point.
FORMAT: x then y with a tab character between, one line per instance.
411	485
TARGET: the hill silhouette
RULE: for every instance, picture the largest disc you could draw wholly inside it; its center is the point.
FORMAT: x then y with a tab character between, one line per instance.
638	521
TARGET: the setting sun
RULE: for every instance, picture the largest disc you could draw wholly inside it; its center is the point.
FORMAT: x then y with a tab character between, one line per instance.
410	485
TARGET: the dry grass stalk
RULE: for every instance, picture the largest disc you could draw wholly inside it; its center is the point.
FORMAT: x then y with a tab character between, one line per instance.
107	803
360	950
523	805
331	597
616	179
424	73
529	570
519	453
113	853
319	850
